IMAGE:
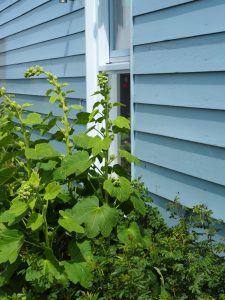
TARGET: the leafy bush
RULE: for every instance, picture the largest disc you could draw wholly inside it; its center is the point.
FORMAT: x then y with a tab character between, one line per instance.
73	226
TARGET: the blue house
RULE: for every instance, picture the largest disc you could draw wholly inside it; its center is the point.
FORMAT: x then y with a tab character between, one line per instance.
165	60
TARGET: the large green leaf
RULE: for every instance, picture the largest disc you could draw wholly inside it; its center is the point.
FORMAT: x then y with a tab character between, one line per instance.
138	204
76	163
79	272
11	240
16	211
52	190
97	219
69	222
80	252
84	141
89	142
50	165
43	273
130	236
41	151
35	221
34	179
122	122
120	188
129	157
101	145
32	118
6	174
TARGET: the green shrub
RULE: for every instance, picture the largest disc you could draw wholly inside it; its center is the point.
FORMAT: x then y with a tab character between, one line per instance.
73	225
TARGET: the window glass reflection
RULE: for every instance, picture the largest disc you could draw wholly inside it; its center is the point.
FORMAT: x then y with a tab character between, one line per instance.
120	24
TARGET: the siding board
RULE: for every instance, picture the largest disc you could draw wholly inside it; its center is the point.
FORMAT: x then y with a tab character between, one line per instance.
199	90
197	125
178	66
6	3
72	23
38	87
61	47
44	13
146	6
18	9
182	21
201	161
198	54
41	104
191	191
73	66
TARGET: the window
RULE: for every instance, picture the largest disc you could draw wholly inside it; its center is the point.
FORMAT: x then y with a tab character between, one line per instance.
119	27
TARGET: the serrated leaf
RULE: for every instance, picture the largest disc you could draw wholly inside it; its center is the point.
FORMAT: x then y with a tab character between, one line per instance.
129	157
68	221
76	163
52	190
122	122
34	179
11	240
43	272
6	174
97	219
35	221
79	272
41	151
84	141
53	99
32	118
138	204
89	142
76	106
119	188
16	211
80	251
50	165
101	145
130	236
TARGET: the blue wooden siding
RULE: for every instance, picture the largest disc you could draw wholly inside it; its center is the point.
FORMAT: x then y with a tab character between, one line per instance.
46	33
179	100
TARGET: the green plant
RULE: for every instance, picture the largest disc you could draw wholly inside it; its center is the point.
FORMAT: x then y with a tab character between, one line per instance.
55	203
72	224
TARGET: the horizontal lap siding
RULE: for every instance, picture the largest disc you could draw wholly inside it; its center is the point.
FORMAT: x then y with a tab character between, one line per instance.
179	100
45	33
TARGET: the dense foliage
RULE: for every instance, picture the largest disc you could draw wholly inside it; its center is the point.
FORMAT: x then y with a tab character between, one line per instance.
72	224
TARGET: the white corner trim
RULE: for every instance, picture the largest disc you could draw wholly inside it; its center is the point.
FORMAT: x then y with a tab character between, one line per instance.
103	32
132	111
91	25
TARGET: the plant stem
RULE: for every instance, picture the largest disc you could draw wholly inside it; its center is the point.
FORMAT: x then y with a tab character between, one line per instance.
66	134
106	108
45	230
25	136
35	245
